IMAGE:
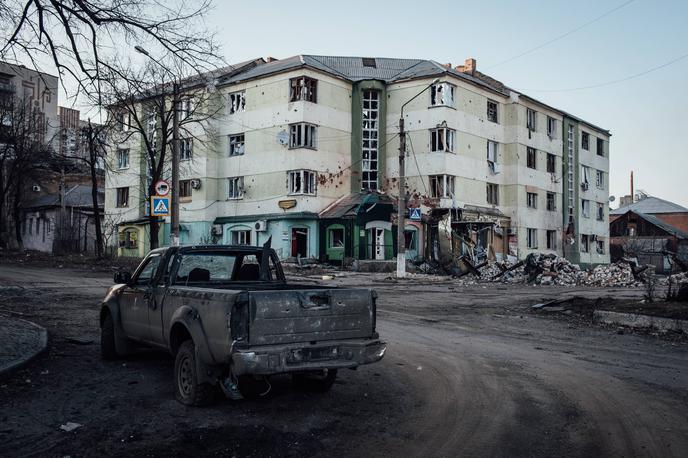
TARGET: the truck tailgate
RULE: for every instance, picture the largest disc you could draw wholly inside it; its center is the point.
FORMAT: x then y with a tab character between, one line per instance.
278	317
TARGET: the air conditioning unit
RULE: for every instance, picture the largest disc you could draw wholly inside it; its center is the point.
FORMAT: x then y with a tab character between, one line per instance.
261	225
216	229
195	184
36	188
585	186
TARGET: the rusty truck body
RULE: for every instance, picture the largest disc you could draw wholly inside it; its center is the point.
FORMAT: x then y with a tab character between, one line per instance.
227	311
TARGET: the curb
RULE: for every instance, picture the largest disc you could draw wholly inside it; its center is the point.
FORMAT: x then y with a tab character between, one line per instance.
634	320
26	358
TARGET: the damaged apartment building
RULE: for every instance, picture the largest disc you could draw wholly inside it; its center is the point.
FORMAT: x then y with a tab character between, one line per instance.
306	152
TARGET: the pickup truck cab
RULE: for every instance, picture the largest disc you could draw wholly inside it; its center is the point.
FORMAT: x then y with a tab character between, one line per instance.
227	311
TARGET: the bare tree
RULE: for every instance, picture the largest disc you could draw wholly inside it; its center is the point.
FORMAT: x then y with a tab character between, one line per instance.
78	36
140	107
24	157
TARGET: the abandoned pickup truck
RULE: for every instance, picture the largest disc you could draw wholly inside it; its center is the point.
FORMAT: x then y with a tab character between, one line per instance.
227	311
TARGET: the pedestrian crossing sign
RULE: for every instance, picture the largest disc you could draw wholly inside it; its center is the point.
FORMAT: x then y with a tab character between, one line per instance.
414	214
160	205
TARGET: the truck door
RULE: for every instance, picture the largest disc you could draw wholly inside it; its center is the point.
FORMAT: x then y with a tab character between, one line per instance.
161	302
135	299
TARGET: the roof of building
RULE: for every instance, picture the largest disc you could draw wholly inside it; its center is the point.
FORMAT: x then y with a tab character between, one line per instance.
362	68
668	228
650	205
350	205
77	196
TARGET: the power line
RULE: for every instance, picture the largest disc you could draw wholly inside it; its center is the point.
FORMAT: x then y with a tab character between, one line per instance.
570	32
608	83
420	175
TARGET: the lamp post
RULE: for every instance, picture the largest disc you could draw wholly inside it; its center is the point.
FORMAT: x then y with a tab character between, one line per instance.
401	205
174	204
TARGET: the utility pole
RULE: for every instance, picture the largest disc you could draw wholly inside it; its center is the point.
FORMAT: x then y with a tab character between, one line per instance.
174	219
401	205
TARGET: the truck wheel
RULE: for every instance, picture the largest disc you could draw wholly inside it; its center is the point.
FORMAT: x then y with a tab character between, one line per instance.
108	350
187	390
320	381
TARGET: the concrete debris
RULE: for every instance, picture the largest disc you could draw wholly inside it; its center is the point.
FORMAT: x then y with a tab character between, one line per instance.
70	426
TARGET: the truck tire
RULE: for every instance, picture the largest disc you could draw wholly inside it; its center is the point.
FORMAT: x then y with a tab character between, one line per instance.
187	390
108	350
318	381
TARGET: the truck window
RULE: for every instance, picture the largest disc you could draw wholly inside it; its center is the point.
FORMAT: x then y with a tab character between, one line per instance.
205	267
148	271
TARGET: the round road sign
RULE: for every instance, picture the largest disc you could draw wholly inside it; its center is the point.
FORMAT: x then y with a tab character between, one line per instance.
162	188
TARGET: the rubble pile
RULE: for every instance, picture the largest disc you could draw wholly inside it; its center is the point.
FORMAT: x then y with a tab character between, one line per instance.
677	279
619	274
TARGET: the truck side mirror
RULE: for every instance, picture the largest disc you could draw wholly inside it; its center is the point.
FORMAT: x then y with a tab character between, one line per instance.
123	277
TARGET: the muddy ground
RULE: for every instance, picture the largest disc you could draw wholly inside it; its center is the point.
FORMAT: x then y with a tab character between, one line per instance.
470	371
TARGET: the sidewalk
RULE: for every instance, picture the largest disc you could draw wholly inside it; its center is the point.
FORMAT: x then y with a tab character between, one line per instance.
20	341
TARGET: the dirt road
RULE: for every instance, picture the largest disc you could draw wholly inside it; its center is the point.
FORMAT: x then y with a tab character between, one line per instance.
469	372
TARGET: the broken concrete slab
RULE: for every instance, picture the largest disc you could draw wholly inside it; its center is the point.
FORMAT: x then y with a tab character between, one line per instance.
637	321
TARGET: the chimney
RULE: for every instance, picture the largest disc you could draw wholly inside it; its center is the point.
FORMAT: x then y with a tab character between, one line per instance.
470	66
270	59
447	65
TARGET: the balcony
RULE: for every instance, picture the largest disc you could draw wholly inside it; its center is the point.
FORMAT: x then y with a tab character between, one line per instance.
7	87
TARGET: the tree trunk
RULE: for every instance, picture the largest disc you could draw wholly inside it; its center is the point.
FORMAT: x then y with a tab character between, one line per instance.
154	228
94	198
16	213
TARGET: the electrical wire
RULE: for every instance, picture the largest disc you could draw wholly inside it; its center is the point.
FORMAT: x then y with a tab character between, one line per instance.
564	35
420	175
609	83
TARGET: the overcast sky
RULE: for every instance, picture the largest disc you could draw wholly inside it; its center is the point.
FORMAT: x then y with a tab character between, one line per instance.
647	115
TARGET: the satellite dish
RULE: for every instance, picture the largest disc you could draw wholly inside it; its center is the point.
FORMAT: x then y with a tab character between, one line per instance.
612	198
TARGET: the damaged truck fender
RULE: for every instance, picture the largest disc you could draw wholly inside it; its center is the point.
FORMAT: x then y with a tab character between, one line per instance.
186	324
111	305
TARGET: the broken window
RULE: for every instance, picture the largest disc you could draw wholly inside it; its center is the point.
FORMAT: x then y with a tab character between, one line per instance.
337	238
123	197
370	141
600	245
492	151
532	238
531	158
301	182
585	177
585	141
303	89
237	102
531	199
599	179
600	147
236	145
585	208
492	111
240	237
531	119
442	139
441	186
551	201
184	188
442	94
551	163
151	127
585	243
551	240
185	149
551	127
600	212
302	135
492	194
122	158
236	188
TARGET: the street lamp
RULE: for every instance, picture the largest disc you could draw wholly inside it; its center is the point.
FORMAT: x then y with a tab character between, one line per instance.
174	207
401	210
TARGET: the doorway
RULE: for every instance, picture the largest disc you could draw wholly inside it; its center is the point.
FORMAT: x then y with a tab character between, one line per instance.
299	242
377	243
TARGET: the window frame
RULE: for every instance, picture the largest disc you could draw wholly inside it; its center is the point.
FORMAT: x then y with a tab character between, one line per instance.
308	179
532	200
242	233
600	211
551	127
531	153
303	131
551	199
434	102
492	190
585	141
493	115
532	238
551	163
186	149
443	184
185	185
551	236
600	146
303	89
237	102
448	143
119	157
531	119
237	184
585	208
122	191
233	142
599	179
584	243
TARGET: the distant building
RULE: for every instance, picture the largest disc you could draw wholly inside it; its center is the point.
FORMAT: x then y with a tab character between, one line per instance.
52	227
669	212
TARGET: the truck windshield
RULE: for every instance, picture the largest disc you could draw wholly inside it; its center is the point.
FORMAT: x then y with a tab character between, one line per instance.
220	267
